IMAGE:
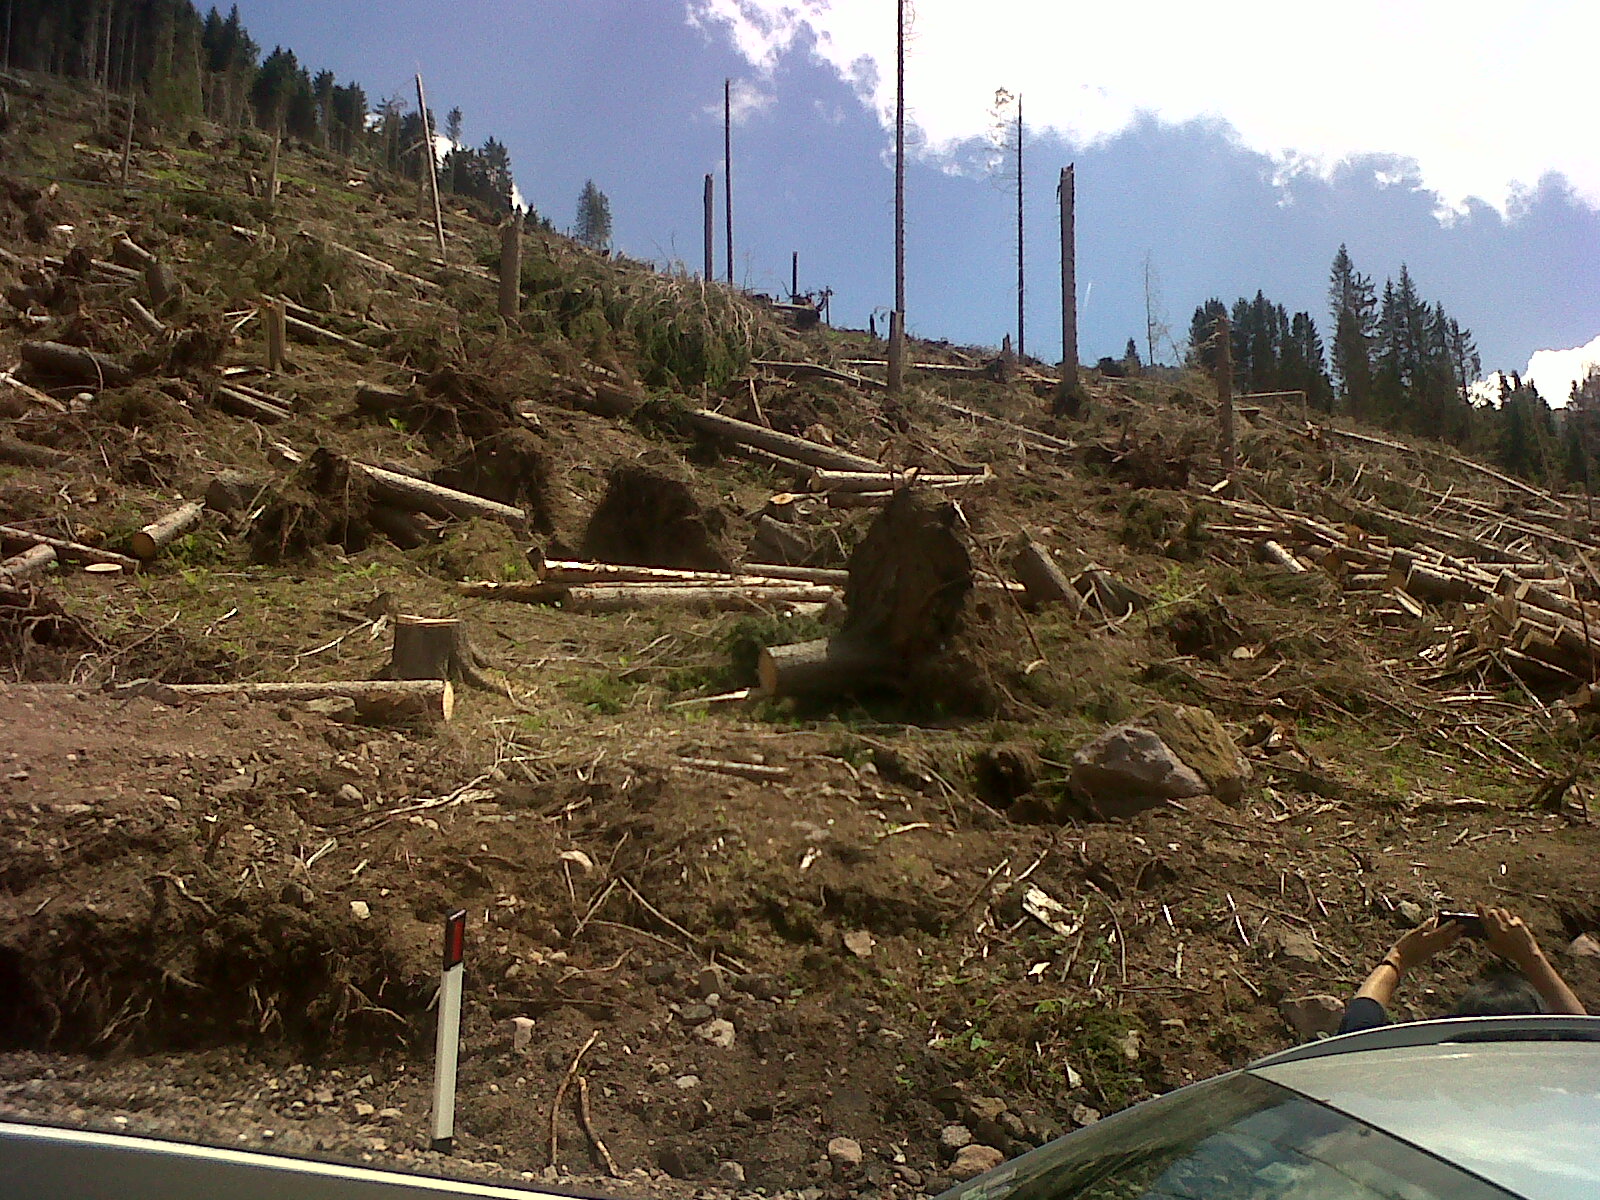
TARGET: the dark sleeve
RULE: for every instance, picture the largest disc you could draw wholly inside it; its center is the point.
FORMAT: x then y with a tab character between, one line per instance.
1363	1013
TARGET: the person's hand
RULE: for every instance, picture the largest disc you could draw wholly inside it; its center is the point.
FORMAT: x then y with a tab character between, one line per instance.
1509	937
1422	943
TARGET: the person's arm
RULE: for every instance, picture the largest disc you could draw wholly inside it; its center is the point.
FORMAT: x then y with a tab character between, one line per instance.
1511	938
1411	951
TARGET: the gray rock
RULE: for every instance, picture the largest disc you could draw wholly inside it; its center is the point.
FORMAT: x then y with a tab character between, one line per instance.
1290	945
954	1137
1082	1114
694	1013
332	706
719	1032
1409	912
349	793
730	1172
522	1034
687	1083
1128	769
1585	945
975	1160
845	1153
1204	746
909	1175
1312	1016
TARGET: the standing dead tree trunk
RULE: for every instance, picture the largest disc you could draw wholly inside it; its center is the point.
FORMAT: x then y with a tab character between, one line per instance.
436	648
727	165
431	154
510	269
710	200
1224	340
1067	394
897	318
275	321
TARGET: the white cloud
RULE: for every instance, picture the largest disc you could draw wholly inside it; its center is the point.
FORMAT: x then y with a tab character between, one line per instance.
1554	372
745	100
1486	99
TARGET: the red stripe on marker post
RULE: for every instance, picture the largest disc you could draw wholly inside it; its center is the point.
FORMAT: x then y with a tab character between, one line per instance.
448	1046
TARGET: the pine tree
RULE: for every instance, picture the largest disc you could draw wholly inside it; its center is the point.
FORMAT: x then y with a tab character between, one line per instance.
1202	332
1353	306
452	125
594	218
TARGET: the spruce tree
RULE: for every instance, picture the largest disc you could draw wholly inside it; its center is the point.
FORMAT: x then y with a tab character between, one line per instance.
593	228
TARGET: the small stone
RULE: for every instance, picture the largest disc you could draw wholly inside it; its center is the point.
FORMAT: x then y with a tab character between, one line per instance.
1130	1045
1409	912
1082	1114
909	1175
695	1013
659	973
859	942
719	1032
360	910
296	894
954	1137
322	1096
332	706
975	1160
985	1108
378	1144
730	1172
1585	945
521	1034
350	794
1074	1080
708	982
363	1110
1312	1016
390	1114
845	1153
687	1083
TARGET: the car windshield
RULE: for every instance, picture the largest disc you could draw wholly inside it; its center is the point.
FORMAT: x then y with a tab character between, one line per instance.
1237	1138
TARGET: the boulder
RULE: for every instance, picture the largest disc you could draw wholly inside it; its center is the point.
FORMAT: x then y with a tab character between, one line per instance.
1128	769
975	1160
1585	945
1312	1016
1204	746
1289	945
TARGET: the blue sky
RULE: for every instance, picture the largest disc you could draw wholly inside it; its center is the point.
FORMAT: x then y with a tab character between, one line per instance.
1224	189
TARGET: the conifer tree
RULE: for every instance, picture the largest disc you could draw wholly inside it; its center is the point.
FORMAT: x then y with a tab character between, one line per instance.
593	228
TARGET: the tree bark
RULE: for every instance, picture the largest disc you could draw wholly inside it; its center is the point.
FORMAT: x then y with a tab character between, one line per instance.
435	648
149	541
232	492
379	700
879	481
232	400
1043	579
143	317
30	562
67	551
75	364
407	530
784	445
1273	552
274	321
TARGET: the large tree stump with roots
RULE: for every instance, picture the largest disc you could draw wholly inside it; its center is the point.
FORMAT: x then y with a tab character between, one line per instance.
436	648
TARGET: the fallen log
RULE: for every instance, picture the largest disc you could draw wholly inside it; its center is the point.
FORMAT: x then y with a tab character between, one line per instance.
67	551
143	317
879	481
805	370
316	333
833	576
125	252
386	268
30	562
1442	587
30	454
1043	579
1366	583
812	454
826	667
149	541
407	530
75	364
1273	552
232	492
240	404
1040	441
30	393
377	700
780	540
707	598
757	772
379	399
420	495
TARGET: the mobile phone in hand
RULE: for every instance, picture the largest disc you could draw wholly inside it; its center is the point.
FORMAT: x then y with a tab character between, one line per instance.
1471	923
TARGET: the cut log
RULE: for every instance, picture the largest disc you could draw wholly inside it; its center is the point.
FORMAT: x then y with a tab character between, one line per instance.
859	499
232	492
377	700
435	648
75	364
823	668
316	333
232	400
29	562
74	552
148	542
29	454
567	571
1365	583
379	264
780	542
1273	552
520	593
419	495
1043	579
885	481
159	281
708	598
126	252
1038	440
30	393
835	577
143	317
812	454
1442	587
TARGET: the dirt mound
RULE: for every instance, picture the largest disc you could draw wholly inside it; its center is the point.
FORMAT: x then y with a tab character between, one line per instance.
510	466
651	516
39	639
325	502
909	578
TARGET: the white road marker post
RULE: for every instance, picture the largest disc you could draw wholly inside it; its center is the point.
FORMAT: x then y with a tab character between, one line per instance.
448	1046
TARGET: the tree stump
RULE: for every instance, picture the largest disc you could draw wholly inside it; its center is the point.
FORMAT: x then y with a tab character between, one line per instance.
436	648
